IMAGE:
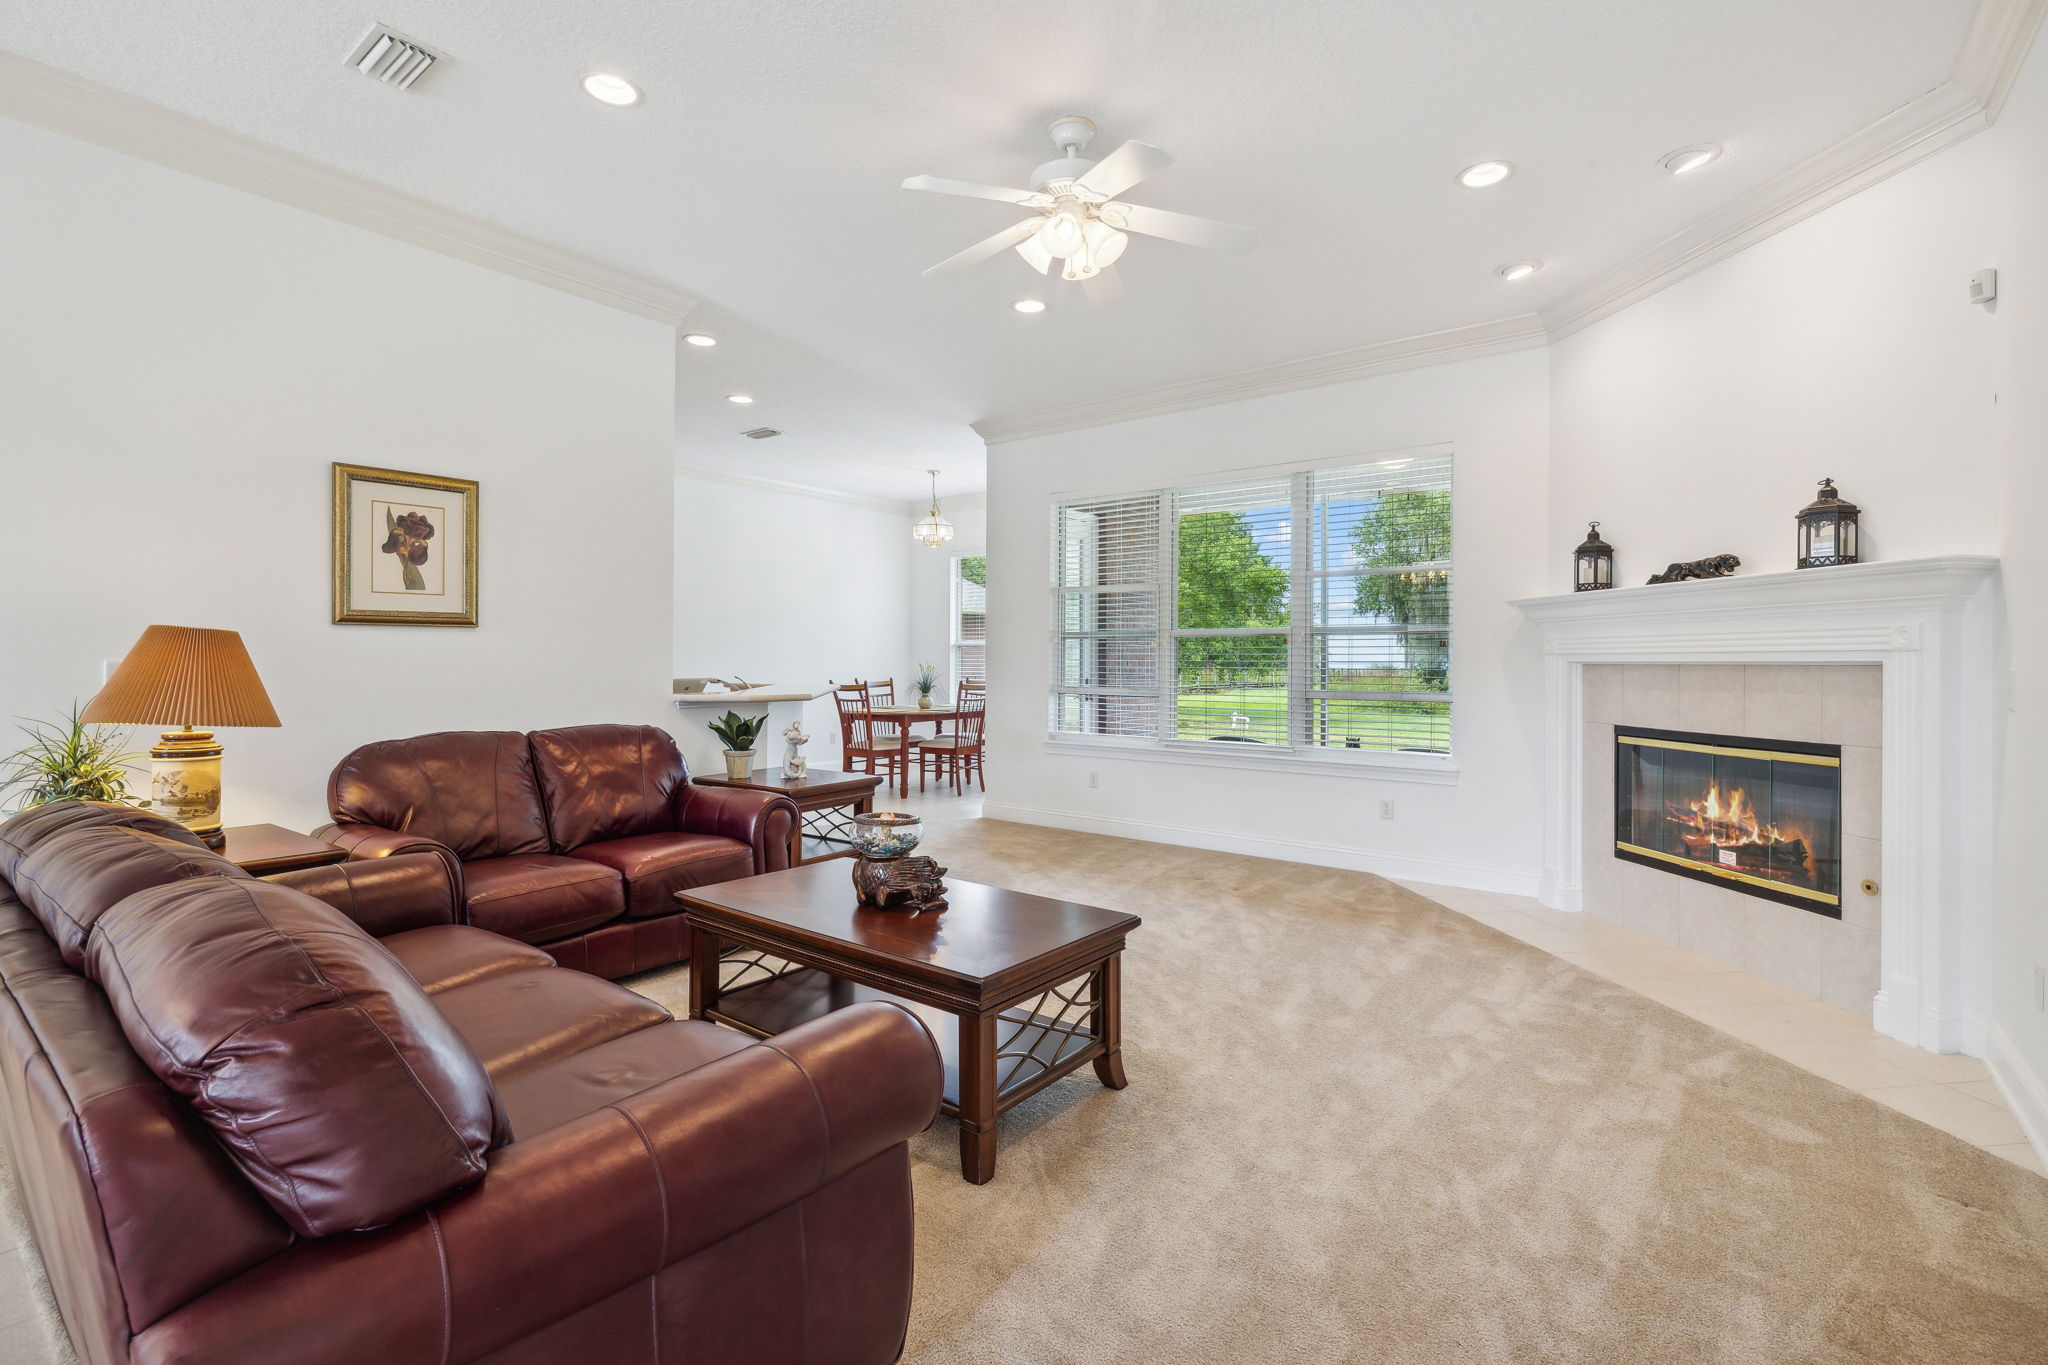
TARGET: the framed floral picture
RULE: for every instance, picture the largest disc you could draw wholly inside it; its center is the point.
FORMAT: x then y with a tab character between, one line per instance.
404	548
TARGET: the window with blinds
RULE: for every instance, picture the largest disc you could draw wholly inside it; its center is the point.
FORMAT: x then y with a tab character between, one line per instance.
1303	610
970	618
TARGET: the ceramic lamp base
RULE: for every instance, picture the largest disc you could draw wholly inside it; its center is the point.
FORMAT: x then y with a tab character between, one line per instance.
184	782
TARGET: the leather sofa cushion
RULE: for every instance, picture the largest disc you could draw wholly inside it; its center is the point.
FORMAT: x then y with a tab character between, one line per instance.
345	1097
71	878
472	790
443	956
656	866
526	1019
535	897
607	781
20	833
552	1094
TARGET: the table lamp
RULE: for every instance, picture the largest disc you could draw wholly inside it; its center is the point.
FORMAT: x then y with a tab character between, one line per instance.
185	675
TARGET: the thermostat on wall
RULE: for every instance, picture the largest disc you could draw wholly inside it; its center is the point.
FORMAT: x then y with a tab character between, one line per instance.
1984	286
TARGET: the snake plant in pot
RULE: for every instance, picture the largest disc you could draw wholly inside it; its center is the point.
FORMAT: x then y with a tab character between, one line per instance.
738	733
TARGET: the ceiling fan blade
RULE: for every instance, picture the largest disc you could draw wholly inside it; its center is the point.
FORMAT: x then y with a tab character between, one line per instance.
1180	227
1123	168
1030	199
986	247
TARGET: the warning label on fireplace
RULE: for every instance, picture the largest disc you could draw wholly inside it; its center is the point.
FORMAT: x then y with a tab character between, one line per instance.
1729	858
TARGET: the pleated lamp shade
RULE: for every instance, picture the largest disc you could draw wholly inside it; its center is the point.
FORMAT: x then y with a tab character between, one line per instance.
184	675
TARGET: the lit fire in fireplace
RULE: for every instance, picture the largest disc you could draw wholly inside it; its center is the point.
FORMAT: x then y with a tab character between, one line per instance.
1726	832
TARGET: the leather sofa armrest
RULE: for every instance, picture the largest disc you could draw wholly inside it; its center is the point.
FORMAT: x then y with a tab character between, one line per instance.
766	820
374	841
576	1214
384	895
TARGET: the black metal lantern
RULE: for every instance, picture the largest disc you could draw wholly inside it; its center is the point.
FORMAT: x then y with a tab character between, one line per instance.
1827	529
1592	562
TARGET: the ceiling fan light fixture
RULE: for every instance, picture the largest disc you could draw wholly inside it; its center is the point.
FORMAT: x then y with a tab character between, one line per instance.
1482	175
1517	270
1065	230
1687	159
1105	243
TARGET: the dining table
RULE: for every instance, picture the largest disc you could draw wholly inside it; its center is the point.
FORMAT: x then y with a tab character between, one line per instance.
903	718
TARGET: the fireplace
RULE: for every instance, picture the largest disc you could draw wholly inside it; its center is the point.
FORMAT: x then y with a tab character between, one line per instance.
1759	816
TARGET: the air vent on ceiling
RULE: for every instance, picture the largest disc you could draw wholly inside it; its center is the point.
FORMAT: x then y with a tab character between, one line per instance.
392	58
760	433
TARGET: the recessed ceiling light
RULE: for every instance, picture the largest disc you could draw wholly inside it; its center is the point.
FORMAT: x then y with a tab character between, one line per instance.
606	88
699	339
1517	270
739	398
1029	305
1485	173
1689	158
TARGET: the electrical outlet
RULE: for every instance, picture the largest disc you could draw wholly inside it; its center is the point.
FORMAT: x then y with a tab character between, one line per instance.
1095	779
1387	808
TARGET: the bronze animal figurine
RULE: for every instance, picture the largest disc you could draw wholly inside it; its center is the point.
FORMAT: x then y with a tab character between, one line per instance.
915	884
1713	566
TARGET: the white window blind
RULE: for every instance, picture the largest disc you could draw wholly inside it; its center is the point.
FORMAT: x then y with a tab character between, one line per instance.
1106	595
970	618
1306	610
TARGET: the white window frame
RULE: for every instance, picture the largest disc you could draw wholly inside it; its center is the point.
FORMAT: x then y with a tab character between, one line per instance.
1431	769
953	595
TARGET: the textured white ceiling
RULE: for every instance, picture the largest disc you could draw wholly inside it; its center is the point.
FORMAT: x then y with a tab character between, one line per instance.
762	170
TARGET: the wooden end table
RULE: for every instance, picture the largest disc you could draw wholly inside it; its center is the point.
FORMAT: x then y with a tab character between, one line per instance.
1019	990
819	795
265	850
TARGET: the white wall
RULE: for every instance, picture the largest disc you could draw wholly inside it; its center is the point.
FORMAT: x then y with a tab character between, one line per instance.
931	582
2017	1042
1700	420
180	363
1484	830
787	587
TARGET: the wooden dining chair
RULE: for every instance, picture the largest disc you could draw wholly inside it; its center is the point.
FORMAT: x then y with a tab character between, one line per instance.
863	747
958	755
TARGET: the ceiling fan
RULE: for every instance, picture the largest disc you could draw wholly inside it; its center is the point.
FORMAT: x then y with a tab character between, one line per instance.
1077	219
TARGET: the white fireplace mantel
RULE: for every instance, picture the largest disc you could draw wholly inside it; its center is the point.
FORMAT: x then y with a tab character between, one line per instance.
1931	624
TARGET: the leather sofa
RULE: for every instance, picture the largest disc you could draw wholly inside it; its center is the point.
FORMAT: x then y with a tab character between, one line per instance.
575	840
315	1119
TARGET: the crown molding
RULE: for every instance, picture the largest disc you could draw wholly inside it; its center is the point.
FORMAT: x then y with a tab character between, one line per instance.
1967	103
1994	50
1385	357
63	103
894	506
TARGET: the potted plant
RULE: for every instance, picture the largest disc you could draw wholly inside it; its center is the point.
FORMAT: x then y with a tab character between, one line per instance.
738	733
68	761
927	679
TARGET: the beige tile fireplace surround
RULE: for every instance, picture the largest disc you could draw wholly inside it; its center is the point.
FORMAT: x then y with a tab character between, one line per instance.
1836	960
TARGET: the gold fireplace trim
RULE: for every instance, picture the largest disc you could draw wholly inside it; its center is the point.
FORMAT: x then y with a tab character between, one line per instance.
1776	756
1695	865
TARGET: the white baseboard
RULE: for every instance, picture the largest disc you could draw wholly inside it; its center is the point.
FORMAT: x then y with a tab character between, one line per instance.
2026	1090
1405	867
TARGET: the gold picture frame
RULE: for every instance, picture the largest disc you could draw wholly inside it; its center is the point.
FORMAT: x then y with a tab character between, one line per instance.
404	548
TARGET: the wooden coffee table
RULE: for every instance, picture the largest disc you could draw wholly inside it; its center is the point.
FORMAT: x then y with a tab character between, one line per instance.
820	795
1019	990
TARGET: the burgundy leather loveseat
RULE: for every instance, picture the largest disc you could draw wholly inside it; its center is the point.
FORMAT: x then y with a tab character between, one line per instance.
315	1120
575	840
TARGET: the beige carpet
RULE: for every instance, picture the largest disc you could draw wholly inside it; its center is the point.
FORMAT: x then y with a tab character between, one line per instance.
1361	1127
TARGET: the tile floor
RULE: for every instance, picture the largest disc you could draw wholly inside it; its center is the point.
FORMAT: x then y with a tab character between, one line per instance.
1952	1093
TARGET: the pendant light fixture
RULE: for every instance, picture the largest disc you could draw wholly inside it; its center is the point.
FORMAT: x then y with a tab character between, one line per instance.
934	530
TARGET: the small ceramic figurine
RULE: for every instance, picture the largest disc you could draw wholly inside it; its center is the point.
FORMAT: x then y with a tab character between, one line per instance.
793	760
